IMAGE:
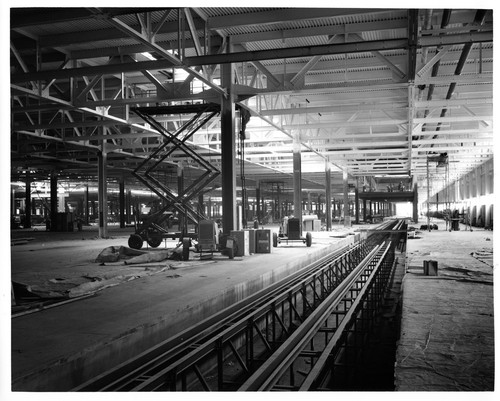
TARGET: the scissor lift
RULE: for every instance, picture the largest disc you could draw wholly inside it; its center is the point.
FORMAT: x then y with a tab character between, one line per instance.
151	229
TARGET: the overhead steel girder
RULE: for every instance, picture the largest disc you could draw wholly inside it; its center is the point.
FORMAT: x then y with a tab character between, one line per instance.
224	58
303	51
456	39
292	52
341	48
412	43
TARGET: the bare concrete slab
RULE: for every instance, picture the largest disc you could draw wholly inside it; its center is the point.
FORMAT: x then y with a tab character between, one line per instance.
61	347
447	327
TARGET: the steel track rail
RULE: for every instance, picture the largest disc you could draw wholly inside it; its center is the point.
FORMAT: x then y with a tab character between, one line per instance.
120	377
348	336
270	372
189	360
217	349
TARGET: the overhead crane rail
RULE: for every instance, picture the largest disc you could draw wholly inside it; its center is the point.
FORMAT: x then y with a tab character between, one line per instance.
230	350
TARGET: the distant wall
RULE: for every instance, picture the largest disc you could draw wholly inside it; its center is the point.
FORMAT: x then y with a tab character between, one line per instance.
472	194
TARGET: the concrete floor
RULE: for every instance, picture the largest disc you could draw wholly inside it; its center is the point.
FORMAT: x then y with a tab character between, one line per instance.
57	348
447	332
447	326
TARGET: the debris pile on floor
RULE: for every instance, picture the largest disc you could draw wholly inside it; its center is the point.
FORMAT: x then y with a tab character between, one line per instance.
122	264
484	255
129	256
20	241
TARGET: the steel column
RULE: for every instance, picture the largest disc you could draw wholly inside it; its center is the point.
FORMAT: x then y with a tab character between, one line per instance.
415	203
346	198
356	204
297	178
180	190
122	203
257	200
102	158
228	149
27	206
53	202
328	197
86	207
128	205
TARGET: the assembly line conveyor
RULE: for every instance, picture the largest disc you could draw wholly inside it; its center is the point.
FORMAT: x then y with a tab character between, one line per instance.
300	333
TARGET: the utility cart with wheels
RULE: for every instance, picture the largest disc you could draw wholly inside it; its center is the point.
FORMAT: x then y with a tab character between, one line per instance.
292	231
209	241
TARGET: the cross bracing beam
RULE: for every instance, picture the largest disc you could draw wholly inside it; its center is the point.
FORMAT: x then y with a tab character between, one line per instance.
455	39
176	62
281	129
446	148
476	141
235	57
397	57
304	51
338	124
346	108
89	111
116	51
453	102
485	77
361	152
452	119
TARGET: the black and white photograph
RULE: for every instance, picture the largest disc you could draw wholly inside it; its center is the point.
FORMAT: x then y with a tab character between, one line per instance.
276	197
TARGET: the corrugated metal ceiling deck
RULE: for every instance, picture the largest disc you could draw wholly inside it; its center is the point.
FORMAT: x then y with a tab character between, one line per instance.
371	25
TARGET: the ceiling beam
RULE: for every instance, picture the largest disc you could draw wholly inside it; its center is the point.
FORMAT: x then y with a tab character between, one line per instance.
235	57
452	119
455	39
337	124
385	60
302	51
452	102
485	77
400	106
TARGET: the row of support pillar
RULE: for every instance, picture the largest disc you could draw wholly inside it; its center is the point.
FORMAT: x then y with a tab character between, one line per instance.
342	208
228	142
86	206
228	139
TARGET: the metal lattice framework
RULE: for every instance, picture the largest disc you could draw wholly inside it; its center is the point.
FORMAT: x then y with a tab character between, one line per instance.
176	141
371	92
